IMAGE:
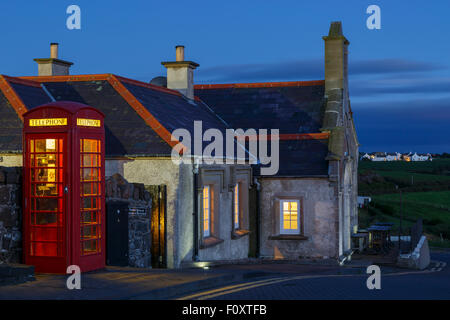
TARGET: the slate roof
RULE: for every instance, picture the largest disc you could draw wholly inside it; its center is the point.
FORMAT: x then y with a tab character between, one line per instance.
10	127
16	96
130	130
291	107
174	111
126	132
303	158
32	96
139	117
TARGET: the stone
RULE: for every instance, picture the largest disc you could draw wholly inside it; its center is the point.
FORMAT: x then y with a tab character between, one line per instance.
139	236
126	191
2	176
109	188
5	194
119	179
16	196
13	177
7	216
136	193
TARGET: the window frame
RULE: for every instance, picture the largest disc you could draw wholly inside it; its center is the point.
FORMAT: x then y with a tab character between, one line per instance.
284	231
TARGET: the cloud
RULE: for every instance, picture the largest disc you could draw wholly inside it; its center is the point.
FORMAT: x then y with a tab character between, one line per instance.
307	69
400	85
409	125
292	70
388	66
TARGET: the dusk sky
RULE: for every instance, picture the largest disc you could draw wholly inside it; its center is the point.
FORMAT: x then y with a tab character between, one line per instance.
399	75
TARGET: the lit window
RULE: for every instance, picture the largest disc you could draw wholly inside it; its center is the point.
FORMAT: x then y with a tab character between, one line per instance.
236	206
206	211
289	217
47	216
90	196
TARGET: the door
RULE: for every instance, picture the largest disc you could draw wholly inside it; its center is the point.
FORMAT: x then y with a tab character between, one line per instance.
158	225
45	202
89	227
117	233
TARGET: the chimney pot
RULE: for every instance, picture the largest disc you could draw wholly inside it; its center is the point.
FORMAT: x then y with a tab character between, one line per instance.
179	53
54	50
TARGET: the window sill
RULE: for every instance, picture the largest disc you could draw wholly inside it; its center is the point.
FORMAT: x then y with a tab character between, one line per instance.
210	242
288	237
236	234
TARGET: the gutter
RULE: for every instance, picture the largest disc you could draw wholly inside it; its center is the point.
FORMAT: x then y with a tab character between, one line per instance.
195	213
258	188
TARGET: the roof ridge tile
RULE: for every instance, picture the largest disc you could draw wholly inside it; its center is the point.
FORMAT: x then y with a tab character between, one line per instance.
261	84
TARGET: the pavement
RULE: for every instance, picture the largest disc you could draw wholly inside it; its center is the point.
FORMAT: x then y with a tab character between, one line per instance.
133	283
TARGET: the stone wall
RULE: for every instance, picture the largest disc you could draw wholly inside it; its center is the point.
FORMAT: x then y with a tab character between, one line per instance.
319	208
139	203
10	214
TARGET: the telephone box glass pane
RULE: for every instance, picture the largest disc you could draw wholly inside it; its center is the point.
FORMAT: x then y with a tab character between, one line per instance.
90	200
46	197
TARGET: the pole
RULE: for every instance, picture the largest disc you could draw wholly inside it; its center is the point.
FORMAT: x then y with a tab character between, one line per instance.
195	211
401	219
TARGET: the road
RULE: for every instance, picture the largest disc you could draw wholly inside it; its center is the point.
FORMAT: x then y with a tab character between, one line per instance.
429	284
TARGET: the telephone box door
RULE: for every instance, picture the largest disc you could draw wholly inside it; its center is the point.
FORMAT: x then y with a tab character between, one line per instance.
46	201
89	227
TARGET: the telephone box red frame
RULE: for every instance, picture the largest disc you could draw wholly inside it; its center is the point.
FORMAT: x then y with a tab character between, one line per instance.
55	238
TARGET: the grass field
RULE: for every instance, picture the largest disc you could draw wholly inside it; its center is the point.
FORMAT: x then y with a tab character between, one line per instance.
413	177
439	199
432	207
425	190
410	176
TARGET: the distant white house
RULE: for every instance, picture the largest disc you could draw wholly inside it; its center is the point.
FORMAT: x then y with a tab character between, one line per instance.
406	157
366	156
393	156
421	157
363	201
378	156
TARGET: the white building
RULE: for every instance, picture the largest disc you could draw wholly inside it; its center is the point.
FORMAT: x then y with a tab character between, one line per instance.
393	156
421	157
363	201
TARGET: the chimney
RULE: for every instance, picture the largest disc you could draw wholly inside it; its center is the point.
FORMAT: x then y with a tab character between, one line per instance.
180	73
336	91
336	52
53	66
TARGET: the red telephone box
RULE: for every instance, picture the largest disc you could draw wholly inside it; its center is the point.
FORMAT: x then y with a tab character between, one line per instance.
63	190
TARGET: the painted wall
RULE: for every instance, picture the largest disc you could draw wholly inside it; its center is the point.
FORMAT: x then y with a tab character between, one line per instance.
179	181
222	179
320	218
11	160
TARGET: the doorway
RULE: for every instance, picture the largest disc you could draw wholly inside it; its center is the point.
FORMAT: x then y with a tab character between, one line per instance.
158	220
